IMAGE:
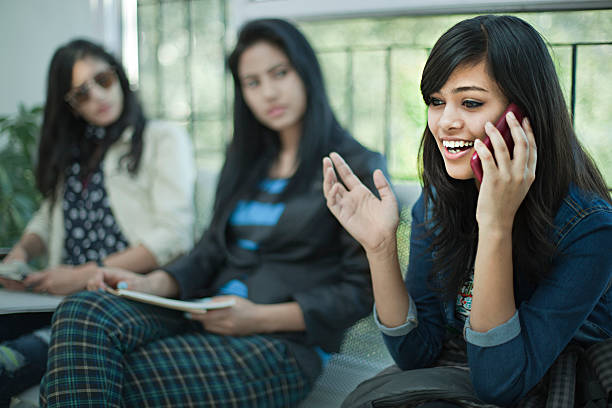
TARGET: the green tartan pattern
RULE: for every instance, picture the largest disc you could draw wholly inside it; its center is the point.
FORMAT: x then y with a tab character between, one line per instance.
106	351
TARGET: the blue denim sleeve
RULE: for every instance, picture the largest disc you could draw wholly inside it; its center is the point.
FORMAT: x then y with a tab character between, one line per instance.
421	344
496	336
411	322
509	360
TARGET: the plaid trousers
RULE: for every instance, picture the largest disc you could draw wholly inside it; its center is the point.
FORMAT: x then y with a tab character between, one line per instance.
106	351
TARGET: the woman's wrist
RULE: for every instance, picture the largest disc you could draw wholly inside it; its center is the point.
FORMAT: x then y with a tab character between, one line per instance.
386	250
494	231
262	317
161	283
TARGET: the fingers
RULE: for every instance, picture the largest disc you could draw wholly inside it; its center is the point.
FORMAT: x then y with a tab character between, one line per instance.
522	164
383	186
344	171
112	277
501	153
525	154
35	280
533	151
12	284
329	176
217	321
97	282
332	189
486	158
521	144
334	195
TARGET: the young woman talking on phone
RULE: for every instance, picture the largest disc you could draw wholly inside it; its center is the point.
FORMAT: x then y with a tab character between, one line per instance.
507	272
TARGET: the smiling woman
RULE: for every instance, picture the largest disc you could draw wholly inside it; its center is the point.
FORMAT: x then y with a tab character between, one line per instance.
504	276
458	113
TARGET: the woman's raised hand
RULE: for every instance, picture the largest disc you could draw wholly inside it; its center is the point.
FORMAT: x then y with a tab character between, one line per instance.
371	221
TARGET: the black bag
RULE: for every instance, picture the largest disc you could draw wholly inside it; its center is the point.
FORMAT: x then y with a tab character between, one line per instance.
578	379
394	388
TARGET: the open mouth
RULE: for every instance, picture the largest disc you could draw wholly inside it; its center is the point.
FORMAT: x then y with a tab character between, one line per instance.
456	146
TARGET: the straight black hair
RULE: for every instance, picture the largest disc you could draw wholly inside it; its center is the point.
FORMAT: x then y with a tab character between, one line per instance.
518	60
63	131
254	146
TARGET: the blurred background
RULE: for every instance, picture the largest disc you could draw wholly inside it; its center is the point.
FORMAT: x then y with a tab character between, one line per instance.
372	54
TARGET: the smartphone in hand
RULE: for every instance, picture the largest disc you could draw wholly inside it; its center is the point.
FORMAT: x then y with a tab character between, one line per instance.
504	129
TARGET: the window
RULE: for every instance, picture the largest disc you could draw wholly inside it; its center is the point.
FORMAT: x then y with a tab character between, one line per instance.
181	70
372	67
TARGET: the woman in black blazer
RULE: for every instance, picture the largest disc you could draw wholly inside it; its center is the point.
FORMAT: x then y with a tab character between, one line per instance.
297	278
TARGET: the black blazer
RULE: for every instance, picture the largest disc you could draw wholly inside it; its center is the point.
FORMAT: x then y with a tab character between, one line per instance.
309	258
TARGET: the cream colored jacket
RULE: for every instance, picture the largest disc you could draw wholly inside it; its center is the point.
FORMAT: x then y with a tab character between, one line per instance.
154	207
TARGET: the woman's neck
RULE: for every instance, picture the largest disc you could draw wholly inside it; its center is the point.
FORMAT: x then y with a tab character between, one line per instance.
286	162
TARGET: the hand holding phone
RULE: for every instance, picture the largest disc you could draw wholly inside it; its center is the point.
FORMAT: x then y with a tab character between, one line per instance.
504	129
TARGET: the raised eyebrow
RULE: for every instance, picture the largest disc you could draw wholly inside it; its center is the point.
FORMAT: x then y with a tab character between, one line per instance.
279	65
248	77
271	69
469	88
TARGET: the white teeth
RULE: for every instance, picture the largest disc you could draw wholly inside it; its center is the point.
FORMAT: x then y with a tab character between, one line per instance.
453	144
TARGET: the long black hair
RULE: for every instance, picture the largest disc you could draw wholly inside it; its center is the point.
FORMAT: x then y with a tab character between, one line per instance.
254	146
518	60
62	135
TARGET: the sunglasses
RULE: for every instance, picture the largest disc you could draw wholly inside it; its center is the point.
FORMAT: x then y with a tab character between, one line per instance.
81	94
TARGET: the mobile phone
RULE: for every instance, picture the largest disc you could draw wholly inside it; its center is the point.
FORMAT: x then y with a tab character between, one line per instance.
504	129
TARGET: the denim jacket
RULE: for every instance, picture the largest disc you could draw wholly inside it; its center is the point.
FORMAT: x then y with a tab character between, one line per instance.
574	302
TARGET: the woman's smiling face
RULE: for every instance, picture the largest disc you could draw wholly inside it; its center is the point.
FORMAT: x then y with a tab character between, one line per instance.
458	112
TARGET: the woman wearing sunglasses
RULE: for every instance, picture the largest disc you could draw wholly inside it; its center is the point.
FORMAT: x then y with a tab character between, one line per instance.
117	191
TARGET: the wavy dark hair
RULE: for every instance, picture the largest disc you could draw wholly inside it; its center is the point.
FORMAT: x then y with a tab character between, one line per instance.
518	60
254	146
63	131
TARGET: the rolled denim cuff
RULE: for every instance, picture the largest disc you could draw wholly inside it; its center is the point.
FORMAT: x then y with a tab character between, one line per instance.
411	322
494	337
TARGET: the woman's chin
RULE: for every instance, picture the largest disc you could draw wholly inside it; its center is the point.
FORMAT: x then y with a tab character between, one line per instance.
459	173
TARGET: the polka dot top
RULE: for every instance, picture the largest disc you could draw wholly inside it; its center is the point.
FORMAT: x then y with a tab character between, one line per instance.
91	231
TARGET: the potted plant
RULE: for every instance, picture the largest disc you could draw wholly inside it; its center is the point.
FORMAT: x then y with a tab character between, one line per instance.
19	197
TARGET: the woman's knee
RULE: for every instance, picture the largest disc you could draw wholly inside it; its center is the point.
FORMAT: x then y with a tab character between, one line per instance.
87	307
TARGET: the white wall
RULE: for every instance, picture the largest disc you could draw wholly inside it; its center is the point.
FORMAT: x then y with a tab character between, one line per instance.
31	30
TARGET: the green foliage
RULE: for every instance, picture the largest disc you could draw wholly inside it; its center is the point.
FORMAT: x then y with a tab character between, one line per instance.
19	197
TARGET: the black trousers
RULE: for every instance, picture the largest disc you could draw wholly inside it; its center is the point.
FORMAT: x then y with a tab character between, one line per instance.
23	356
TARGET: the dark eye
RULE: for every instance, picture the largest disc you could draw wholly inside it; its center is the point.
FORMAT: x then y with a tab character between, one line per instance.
435	101
471	104
105	79
280	73
251	83
81	94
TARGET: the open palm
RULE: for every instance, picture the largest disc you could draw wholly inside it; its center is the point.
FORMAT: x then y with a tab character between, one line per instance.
371	221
